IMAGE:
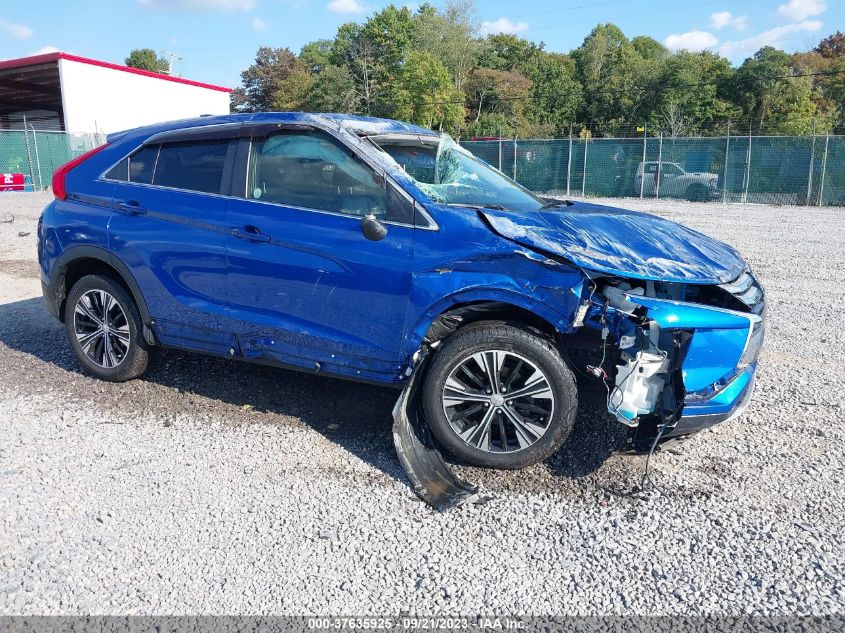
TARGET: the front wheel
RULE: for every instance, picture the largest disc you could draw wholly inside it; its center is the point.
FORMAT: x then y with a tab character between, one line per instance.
104	328
499	396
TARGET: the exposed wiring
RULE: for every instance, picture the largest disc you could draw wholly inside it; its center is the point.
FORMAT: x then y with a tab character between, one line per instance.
647	475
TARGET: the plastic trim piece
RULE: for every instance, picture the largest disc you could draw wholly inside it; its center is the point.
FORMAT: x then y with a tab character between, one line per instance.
431	478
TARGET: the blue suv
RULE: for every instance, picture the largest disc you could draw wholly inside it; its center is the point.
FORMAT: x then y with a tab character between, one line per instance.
354	247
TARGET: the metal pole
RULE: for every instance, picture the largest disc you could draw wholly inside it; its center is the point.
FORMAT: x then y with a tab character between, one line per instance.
747	167
812	157
584	180
28	151
514	158
824	169
659	173
727	157
500	154
569	161
37	158
642	179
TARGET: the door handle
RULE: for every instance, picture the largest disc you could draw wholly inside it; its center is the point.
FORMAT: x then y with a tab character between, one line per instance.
251	234
131	207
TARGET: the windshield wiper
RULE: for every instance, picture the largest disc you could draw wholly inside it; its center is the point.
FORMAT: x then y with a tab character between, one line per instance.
495	207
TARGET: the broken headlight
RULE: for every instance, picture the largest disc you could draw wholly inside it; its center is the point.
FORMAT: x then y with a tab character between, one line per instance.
755	342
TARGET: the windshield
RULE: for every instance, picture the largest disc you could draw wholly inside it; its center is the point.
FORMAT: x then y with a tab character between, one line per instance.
449	174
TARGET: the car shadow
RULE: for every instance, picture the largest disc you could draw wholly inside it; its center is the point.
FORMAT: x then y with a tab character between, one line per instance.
355	416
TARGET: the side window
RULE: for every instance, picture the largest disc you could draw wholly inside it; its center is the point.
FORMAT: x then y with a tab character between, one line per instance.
138	167
194	165
313	171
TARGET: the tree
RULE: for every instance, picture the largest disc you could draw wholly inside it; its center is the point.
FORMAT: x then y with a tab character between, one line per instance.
316	55
689	94
334	90
449	36
832	46
615	77
504	51
427	96
556	95
503	93
649	48
277	80
771	100
147	59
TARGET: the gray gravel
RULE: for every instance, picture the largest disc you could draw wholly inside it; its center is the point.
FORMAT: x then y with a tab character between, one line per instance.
217	487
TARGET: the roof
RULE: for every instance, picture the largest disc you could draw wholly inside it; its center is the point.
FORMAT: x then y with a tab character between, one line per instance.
47	58
362	125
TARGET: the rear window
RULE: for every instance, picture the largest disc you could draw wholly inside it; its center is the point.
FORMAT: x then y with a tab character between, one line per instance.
193	166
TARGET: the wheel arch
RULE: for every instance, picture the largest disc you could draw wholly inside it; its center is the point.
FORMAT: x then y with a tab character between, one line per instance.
80	261
455	311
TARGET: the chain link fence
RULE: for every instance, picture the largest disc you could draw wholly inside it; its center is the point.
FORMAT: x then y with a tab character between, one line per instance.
806	170
37	153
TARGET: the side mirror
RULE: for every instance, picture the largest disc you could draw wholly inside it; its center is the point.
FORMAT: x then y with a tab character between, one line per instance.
372	228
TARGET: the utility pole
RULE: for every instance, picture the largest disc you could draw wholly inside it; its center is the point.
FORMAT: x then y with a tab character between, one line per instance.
170	57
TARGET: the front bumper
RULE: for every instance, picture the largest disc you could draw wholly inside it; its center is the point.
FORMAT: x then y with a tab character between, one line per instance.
727	404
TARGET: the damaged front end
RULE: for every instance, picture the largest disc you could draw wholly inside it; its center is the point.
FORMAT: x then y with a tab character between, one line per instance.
675	358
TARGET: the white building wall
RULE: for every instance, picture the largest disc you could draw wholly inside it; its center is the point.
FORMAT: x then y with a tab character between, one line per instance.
106	100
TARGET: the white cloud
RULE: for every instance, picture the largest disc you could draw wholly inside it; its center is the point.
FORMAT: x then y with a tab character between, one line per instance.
198	5
46	49
798	10
346	6
502	25
721	19
258	24
691	41
18	31
772	37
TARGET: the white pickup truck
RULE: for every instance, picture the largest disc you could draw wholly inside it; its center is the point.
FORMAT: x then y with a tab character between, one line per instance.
674	181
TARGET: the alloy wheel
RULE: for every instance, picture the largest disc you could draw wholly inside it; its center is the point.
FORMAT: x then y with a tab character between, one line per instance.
498	401
101	328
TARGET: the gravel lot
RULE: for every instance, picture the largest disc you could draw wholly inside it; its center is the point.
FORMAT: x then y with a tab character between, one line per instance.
218	487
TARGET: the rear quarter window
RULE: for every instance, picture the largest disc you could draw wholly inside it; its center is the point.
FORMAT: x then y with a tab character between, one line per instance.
191	165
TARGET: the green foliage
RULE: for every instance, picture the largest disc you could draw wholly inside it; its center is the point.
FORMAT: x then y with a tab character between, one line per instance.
428	97
430	66
147	59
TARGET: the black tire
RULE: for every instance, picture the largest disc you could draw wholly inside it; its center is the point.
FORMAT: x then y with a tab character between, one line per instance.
696	193
128	361
517	343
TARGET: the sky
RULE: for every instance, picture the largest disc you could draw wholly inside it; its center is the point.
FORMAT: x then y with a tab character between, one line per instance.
216	39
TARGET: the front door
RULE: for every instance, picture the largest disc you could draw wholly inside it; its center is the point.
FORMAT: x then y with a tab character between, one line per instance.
305	285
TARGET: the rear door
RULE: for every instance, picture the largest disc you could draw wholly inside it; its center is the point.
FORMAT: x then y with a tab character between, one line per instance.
171	232
306	285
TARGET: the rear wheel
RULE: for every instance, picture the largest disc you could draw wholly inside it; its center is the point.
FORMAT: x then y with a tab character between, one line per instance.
104	329
499	396
696	193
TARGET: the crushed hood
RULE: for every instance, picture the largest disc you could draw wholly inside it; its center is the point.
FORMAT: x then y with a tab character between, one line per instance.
620	242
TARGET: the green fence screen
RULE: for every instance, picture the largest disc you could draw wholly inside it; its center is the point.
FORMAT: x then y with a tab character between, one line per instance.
36	154
770	170
767	170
